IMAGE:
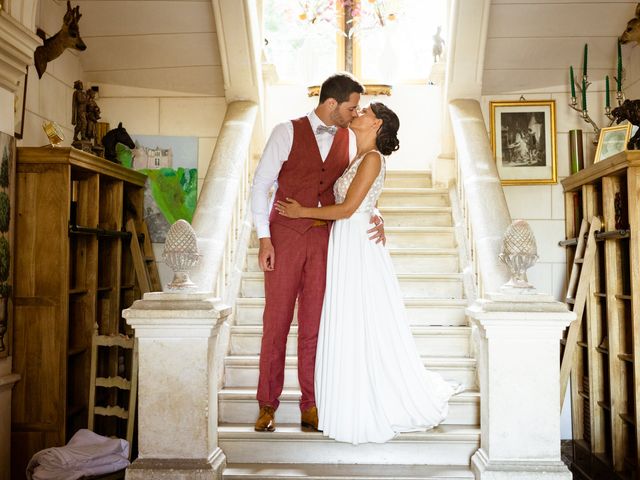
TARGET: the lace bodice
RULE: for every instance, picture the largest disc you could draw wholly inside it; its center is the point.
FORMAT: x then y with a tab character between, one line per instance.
341	186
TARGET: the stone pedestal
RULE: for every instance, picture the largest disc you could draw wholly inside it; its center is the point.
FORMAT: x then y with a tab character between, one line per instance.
518	351
177	386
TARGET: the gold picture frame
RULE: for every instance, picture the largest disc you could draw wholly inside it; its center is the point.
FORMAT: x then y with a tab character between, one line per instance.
523	141
612	140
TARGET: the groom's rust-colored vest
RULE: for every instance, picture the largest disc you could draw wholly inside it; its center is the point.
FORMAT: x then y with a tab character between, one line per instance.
305	177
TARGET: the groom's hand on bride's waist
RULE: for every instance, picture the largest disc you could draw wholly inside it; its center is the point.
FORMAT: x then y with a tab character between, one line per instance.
266	255
377	232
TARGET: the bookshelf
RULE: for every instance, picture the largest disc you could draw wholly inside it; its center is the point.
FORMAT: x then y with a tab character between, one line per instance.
73	269
605	378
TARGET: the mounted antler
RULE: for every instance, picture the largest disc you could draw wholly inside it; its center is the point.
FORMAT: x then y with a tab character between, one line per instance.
67	37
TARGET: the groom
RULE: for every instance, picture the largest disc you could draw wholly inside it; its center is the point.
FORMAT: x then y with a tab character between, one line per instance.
303	158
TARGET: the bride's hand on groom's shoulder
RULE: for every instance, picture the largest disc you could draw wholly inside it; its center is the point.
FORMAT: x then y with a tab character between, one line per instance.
289	208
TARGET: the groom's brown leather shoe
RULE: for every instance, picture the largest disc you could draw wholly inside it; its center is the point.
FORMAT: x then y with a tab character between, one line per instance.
265	421
309	420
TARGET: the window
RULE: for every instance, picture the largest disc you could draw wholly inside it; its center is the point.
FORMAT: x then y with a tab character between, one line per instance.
379	41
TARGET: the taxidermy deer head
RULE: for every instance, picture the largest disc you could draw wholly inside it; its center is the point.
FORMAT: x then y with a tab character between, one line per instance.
67	37
632	32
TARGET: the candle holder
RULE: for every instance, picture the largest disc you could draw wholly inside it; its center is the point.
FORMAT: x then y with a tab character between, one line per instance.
620	98
584	113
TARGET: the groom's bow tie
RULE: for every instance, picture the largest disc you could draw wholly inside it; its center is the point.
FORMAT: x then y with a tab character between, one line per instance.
324	129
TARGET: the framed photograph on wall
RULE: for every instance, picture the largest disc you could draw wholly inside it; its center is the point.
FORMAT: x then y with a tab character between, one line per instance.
523	139
612	140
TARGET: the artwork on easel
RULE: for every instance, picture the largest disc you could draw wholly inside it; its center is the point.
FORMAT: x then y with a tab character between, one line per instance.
170	164
7	189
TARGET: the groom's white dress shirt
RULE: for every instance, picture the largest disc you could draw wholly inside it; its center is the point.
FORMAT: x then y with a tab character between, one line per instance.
275	153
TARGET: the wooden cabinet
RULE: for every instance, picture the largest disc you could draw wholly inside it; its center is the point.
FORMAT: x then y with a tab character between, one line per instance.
605	379
73	269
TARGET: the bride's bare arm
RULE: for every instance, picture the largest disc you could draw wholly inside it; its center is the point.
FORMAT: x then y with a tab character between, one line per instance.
365	176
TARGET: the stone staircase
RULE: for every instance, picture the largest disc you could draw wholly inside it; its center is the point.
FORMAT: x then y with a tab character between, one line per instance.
422	243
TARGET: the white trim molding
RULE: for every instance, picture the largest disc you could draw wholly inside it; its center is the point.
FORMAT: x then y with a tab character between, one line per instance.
17	44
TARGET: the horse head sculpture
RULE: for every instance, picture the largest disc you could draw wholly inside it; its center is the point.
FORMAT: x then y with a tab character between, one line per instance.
117	135
67	37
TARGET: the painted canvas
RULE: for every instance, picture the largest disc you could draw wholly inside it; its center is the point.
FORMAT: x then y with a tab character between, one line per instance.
7	189
171	191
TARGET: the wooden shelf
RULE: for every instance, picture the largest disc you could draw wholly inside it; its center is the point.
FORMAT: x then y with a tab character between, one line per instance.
626	357
628	418
604	367
76	351
74	209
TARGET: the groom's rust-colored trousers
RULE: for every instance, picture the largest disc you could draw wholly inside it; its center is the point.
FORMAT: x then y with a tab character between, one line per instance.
300	269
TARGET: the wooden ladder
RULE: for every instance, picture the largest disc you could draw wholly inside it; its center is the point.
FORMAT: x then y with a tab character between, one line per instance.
583	264
144	260
128	382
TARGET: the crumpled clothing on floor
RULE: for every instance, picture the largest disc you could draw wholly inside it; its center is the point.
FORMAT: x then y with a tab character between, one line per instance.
87	453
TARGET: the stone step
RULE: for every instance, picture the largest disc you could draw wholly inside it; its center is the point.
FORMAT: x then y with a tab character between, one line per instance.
239	405
242	370
420	311
416	216
414	197
407	237
274	471
432	341
443	445
420	237
427	285
408	179
405	260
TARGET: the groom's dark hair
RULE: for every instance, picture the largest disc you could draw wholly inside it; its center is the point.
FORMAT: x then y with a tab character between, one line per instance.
340	86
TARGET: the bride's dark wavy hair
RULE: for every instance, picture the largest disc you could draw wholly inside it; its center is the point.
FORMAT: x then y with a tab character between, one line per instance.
387	138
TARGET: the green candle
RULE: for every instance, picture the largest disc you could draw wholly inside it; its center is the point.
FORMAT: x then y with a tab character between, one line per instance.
573	82
584	95
606	82
586	49
619	79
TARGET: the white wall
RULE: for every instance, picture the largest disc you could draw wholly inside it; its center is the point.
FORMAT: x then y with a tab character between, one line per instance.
418	107
157	112
530	46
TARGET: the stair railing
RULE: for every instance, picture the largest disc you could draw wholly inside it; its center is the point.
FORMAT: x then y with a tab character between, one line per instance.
221	220
481	200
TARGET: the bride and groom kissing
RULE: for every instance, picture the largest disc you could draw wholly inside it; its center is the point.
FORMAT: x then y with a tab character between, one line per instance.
322	245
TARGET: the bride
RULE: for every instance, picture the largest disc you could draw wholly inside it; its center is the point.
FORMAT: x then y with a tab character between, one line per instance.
370	381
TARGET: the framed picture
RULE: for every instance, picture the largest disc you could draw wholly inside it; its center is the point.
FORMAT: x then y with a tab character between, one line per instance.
18	107
612	140
523	139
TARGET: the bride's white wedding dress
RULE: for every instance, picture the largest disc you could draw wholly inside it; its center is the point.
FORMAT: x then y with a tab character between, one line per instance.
370	382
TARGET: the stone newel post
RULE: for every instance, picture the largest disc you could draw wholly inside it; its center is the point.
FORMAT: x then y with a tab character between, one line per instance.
177	393
519	364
